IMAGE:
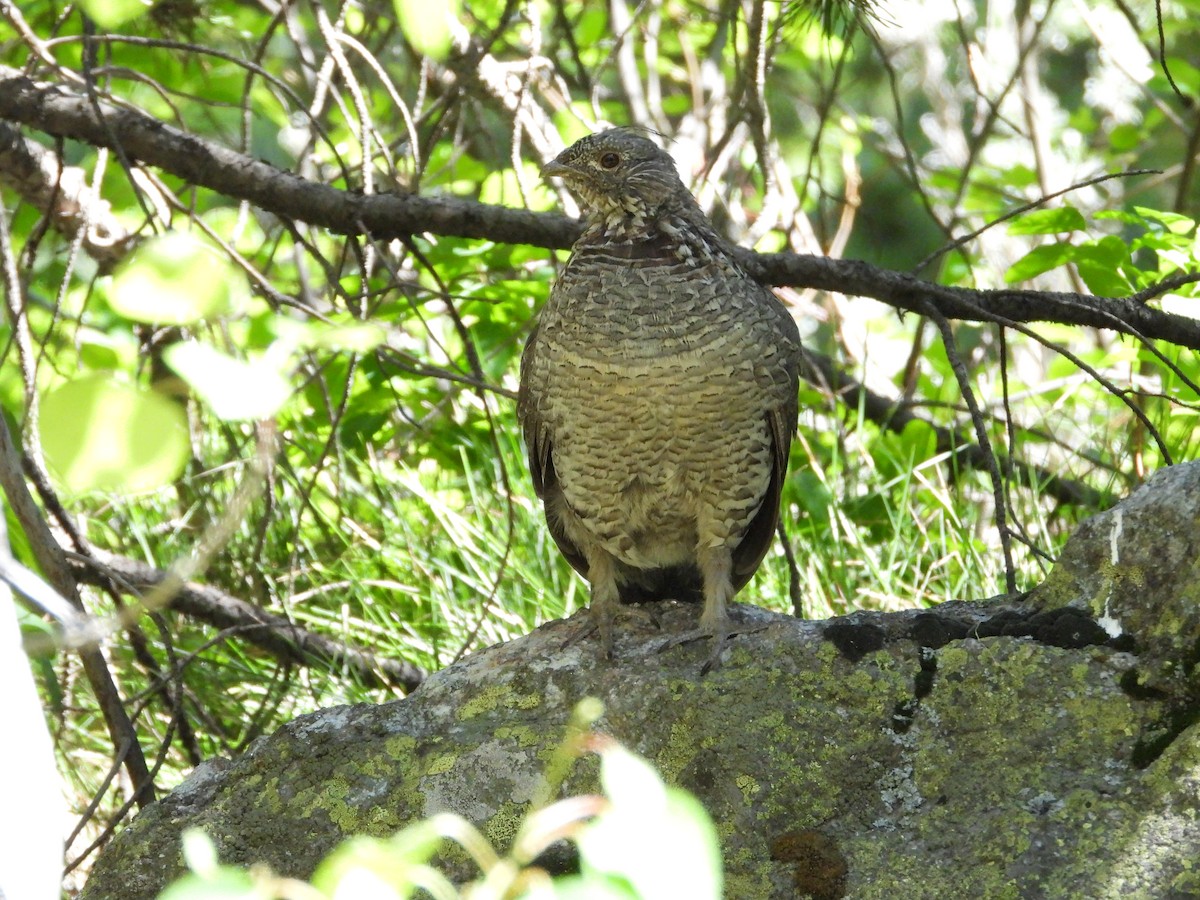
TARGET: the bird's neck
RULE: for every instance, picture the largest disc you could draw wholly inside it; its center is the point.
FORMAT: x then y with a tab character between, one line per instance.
636	226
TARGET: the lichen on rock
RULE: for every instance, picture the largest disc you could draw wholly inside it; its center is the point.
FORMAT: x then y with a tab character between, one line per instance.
994	749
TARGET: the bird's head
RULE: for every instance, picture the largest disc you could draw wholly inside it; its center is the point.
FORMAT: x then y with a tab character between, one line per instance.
622	179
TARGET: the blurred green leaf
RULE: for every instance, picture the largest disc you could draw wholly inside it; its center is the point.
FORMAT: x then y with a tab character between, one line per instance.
227	883
112	14
1040	259
1099	264
1048	221
359	337
428	24
365	864
175	279
658	838
1175	223
595	887
1125	137
234	389
100	435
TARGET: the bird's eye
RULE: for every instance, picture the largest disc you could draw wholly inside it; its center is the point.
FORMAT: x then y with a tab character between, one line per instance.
610	160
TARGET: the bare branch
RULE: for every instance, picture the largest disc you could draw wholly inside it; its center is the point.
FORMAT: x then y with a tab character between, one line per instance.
385	216
277	635
61	193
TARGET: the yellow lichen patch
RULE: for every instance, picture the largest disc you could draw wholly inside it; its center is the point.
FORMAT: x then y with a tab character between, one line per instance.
497	696
749	788
441	763
501	829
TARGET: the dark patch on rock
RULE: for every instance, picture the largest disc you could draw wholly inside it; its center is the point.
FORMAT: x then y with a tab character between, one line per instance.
1154	740
1132	684
1124	643
853	640
560	858
932	630
1068	628
1065	627
1192	658
701	776
1006	623
903	715
819	868
923	683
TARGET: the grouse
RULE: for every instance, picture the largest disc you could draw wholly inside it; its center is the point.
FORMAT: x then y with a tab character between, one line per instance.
658	393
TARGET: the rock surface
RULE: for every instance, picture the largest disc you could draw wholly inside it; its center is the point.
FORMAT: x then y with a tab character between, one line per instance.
1013	749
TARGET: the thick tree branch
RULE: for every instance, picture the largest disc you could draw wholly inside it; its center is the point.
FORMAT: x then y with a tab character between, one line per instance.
278	636
1128	315
62	113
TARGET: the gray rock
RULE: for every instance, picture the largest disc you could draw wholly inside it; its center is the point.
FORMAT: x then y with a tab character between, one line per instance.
1005	749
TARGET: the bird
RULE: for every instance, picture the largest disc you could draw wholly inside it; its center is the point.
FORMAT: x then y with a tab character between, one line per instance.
658	394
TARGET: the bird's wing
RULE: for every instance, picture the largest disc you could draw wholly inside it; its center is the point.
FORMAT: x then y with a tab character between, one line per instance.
541	460
781	423
537	440
748	555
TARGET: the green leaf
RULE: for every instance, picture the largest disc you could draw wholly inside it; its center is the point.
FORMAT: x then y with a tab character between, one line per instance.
99	435
97	352
1102	280
1038	260
199	852
1099	264
112	14
1048	221
360	337
227	883
362	863
595	887
1175	223
176	279
235	389
658	838
1125	137
427	24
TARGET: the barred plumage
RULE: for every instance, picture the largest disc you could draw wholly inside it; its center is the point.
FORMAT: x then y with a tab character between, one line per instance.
658	392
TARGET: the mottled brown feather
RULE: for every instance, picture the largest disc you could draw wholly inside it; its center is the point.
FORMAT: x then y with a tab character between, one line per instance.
658	362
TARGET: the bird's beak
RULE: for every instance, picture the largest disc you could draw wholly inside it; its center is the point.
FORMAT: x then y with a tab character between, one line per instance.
554	168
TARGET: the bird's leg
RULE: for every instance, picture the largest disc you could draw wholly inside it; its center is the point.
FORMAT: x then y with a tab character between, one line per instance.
716	565
606	597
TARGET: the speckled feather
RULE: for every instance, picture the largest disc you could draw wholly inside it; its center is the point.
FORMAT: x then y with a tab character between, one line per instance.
658	392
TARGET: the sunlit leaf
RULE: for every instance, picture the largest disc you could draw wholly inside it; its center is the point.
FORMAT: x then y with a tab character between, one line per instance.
428	24
1048	221
357	338
226	884
1125	137
112	14
366	867
100	435
1040	259
595	887
1174	222
658	838
199	852
175	279
1099	264
234	389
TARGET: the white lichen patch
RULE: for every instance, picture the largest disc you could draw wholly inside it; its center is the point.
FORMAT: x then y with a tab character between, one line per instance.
1110	623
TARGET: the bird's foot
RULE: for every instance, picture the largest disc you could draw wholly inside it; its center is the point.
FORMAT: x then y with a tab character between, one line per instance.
720	638
604	619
